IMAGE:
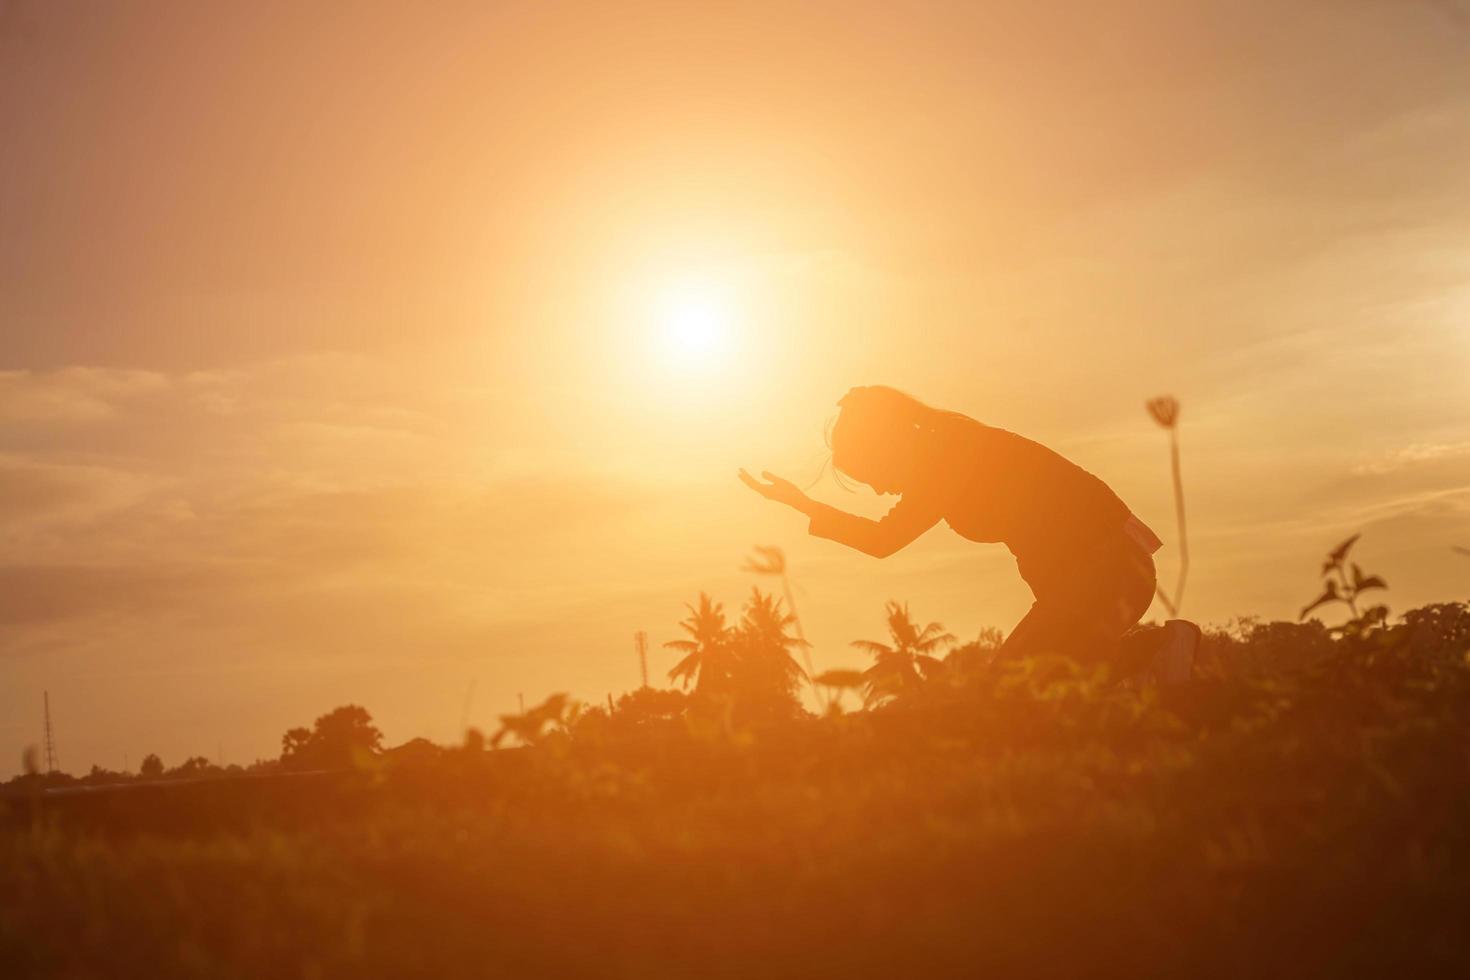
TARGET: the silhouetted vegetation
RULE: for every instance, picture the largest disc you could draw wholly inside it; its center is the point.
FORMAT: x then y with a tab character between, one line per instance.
770	560
336	740
1345	582
906	664
746	668
1299	807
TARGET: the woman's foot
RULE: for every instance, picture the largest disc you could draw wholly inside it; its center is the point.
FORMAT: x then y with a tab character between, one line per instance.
1162	655
1173	660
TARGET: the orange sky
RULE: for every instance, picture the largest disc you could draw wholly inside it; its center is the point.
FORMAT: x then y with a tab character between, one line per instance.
334	369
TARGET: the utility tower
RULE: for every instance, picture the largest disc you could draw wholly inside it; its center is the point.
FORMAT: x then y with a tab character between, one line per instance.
50	740
640	642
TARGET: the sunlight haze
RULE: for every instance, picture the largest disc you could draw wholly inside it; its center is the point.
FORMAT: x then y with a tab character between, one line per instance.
407	357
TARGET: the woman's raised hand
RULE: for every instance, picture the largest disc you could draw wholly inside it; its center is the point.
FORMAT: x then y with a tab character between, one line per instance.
777	489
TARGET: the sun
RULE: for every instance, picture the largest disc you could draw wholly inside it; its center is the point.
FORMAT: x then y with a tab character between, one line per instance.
695	321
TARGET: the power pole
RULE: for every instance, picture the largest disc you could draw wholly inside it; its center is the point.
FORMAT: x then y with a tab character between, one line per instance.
640	640
50	740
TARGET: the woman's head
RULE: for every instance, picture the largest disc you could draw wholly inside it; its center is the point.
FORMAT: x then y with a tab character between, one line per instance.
880	437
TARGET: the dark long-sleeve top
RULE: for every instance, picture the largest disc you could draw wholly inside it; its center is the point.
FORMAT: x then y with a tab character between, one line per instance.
990	485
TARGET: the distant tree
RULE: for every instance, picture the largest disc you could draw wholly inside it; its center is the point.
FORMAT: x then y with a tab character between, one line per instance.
295	740
1248	646
195	765
337	740
902	666
709	654
416	751
649	705
152	767
1439	626
750	666
98	774
969	659
765	673
770	560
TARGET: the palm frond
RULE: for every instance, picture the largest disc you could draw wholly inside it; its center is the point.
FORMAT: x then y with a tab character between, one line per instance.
685	670
874	647
932	639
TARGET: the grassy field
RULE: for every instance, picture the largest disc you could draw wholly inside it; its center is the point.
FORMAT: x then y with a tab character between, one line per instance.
1302	807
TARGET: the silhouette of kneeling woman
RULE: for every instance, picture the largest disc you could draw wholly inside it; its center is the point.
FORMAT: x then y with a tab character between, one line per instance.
1087	558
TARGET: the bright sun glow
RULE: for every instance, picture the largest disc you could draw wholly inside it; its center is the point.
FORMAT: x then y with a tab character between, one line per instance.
695	325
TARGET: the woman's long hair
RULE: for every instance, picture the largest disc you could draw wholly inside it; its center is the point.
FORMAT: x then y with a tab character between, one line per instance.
880	432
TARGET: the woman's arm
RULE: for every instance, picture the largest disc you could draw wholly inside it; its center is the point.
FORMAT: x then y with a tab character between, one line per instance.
908	519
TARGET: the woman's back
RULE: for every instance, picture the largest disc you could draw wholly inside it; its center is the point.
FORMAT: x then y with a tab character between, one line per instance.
993	485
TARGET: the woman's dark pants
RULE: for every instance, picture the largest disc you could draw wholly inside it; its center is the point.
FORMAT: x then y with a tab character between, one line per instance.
1085	603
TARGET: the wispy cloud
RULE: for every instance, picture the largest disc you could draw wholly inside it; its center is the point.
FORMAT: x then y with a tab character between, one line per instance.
1413	455
76	394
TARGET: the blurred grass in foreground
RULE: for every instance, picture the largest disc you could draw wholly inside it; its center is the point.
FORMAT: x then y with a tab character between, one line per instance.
1303	807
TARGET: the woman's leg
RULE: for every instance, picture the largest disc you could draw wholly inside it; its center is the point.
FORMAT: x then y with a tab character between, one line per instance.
1062	626
1085	613
1041	630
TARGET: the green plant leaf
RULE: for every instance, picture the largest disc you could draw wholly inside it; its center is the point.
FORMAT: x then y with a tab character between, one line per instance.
1341	551
1328	595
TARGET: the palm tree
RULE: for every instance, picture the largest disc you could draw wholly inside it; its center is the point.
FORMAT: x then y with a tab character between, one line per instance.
969	659
904	666
708	656
767	663
770	560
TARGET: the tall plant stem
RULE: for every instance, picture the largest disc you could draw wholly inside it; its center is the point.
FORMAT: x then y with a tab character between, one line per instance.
806	648
1179	515
1177	601
1349	592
